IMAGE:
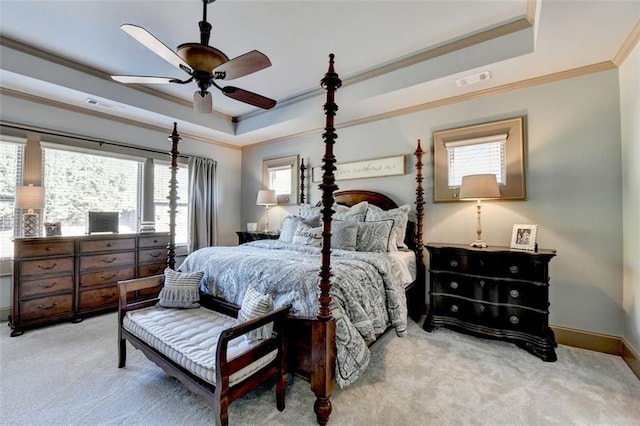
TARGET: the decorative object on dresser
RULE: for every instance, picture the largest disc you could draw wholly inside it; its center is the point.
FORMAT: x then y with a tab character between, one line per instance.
29	198
523	237
479	187
266	198
53	228
102	222
246	236
66	278
492	292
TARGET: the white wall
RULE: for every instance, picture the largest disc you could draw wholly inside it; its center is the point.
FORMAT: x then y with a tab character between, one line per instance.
573	184
28	113
630	124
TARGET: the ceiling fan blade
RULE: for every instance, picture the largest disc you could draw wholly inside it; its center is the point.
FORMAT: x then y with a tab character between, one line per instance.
242	65
156	46
142	79
248	97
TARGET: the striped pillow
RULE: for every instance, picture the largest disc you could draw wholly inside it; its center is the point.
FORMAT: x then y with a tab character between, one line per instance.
180	289
254	305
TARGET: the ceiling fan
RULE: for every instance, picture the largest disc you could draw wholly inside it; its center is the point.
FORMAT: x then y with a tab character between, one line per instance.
204	64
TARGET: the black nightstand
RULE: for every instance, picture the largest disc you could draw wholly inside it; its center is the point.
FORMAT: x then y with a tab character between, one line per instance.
246	236
492	292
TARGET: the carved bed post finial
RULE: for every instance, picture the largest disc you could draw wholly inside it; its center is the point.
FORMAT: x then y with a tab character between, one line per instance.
173	197
302	170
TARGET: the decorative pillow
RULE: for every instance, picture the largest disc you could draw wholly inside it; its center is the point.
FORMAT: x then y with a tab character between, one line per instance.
180	289
311	214
374	236
307	235
289	226
344	234
358	211
400	217
254	305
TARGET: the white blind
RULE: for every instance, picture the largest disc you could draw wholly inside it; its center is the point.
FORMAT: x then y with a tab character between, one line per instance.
78	182
476	156
161	178
11	153
280	179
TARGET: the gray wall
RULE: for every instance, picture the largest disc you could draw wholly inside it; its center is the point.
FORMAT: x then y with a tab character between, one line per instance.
630	108
574	185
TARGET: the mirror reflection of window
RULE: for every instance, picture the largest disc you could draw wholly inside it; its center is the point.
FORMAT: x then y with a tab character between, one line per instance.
281	175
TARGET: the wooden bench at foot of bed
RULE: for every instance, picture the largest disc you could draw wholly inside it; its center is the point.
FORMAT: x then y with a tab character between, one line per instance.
215	361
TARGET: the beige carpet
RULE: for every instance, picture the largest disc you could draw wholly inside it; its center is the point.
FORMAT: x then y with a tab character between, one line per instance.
67	375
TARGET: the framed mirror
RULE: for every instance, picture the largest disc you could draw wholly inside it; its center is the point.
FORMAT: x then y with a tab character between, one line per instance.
281	175
496	147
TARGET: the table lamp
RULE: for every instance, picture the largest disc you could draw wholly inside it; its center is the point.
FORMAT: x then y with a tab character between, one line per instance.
29	198
479	187
266	198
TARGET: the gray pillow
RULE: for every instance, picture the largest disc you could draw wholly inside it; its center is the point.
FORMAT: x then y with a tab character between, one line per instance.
180	289
400	217
289	225
254	305
357	211
344	234
374	236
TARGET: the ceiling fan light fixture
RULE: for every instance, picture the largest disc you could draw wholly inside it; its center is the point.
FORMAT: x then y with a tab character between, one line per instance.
202	104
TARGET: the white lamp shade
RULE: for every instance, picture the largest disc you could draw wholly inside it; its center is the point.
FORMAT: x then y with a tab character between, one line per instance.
30	197
202	104
478	187
267	197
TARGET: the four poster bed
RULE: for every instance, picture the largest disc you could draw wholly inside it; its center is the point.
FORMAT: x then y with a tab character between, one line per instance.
359	295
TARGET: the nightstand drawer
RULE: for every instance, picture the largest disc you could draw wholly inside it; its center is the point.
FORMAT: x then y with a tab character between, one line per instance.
44	286
45	307
106	277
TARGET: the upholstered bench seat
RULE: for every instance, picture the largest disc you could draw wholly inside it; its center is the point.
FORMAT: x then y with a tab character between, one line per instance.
189	338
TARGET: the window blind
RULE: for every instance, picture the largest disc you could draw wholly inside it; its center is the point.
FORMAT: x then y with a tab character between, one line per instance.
476	156
161	178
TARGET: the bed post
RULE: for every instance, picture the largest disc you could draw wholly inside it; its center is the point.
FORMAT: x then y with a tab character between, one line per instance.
324	330
420	292
173	197
302	169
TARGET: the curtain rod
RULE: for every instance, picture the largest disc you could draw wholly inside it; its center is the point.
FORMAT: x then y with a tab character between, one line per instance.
84	138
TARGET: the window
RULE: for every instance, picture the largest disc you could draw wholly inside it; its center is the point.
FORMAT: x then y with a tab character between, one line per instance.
78	182
281	175
496	148
11	152
161	179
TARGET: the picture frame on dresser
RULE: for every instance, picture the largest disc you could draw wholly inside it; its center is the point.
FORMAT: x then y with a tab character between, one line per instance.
523	237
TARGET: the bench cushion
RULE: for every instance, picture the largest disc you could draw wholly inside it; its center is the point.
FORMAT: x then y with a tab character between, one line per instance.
190	337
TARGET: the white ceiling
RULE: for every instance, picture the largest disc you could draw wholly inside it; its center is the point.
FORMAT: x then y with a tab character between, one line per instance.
388	53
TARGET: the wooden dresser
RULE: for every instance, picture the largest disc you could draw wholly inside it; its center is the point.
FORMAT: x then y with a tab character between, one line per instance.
492	292
67	278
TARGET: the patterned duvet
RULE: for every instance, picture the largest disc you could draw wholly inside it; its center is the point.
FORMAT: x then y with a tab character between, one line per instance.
367	289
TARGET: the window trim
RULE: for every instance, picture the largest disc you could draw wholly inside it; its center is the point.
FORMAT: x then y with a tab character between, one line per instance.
515	189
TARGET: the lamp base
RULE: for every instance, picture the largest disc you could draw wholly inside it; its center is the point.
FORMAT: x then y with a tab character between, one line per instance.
479	244
30	225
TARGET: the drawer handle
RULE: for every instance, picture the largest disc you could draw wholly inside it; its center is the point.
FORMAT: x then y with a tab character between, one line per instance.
482	283
454	308
113	259
108	244
514	293
44	308
104	296
48	267
155	241
155	254
454	284
514	319
482	308
49	248
109	277
454	263
513	269
53	284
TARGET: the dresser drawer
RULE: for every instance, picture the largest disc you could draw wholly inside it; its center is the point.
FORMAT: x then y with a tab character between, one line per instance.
153	241
89	279
98	299
497	319
43	286
107	260
44	307
507	265
48	266
154	255
151	269
119	244
44	248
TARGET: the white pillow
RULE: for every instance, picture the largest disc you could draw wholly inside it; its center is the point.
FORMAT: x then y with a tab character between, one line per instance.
180	289
400	217
374	236
344	234
358	211
307	235
254	305
289	226
311	214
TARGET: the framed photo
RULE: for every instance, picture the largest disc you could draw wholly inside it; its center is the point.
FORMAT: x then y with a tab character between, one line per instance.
523	237
52	228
